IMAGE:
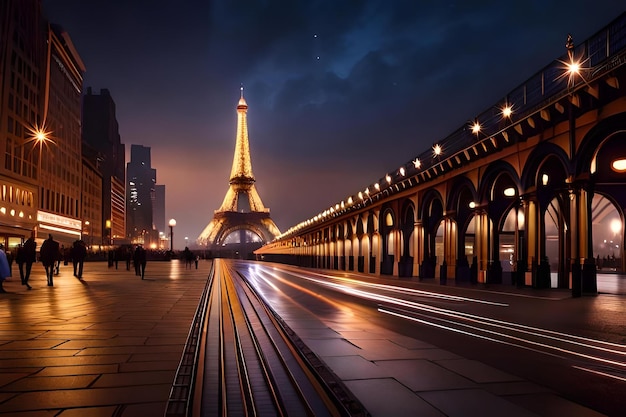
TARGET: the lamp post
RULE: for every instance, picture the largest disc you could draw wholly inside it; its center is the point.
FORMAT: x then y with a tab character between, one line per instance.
172	224
107	226
87	224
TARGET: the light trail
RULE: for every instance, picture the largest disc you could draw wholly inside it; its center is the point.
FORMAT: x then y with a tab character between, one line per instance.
394	288
558	336
619	378
450	320
518	339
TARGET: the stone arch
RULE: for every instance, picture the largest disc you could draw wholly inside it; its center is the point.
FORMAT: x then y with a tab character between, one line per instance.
599	150
431	215
374	240
462	202
531	175
545	182
406	227
387	225
349	250
498	193
596	139
363	241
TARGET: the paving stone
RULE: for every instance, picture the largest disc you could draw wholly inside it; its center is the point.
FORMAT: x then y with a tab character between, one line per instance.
43	383
109	345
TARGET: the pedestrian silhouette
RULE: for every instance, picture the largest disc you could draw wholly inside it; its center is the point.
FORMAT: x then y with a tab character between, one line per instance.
78	253
140	261
29	256
188	256
49	254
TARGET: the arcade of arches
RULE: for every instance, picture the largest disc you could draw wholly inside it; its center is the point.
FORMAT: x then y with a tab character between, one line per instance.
545	214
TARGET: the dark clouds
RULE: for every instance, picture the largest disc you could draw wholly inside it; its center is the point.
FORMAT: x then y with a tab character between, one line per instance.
328	114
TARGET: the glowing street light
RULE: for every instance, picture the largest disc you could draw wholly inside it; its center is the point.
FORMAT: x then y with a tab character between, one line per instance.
40	137
574	67
172	224
507	111
476	127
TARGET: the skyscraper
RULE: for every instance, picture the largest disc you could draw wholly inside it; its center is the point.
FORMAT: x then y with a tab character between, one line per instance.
41	81
106	151
158	212
140	191
22	71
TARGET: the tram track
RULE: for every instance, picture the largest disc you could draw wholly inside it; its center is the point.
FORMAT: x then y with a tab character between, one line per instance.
249	363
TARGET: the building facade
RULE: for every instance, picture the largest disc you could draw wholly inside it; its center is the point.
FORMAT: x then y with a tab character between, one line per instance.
92	205
22	75
40	93
61	159
158	213
140	195
104	148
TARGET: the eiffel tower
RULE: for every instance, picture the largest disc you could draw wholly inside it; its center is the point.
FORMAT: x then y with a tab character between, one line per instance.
242	222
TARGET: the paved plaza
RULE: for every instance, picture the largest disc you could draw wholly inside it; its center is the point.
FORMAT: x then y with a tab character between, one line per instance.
109	345
106	345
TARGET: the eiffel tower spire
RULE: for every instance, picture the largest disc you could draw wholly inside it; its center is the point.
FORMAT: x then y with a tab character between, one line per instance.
242	212
242	194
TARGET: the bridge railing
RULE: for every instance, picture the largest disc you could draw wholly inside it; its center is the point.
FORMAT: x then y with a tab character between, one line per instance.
599	54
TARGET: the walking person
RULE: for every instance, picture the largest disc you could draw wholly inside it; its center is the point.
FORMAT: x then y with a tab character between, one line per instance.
49	255
79	252
29	249
4	268
128	256
188	256
140	261
20	259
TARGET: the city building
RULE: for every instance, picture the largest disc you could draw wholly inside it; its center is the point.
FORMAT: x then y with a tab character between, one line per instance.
140	196
103	147
61	161
42	77
22	76
159	211
91	204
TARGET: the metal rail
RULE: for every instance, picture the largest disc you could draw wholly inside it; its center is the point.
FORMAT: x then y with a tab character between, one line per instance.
247	362
179	401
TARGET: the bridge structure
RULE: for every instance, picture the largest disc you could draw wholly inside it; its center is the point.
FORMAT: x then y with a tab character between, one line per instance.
531	193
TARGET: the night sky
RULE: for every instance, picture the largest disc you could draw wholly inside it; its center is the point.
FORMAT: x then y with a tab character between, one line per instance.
339	92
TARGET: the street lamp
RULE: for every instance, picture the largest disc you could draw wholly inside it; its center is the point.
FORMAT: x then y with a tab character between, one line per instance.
87	224
107	226
172	224
186	241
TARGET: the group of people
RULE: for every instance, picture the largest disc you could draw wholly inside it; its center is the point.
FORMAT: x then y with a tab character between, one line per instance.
50	255
138	256
189	257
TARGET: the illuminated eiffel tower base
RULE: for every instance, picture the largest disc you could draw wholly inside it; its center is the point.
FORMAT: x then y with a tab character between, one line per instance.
242	223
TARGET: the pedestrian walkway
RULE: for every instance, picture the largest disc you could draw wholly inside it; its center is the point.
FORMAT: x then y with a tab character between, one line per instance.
106	345
109	346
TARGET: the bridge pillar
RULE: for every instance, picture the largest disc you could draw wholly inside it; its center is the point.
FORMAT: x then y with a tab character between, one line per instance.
589	271
532	243
450	237
482	245
418	240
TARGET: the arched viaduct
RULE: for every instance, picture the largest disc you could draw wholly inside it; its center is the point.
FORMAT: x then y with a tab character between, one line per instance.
519	198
